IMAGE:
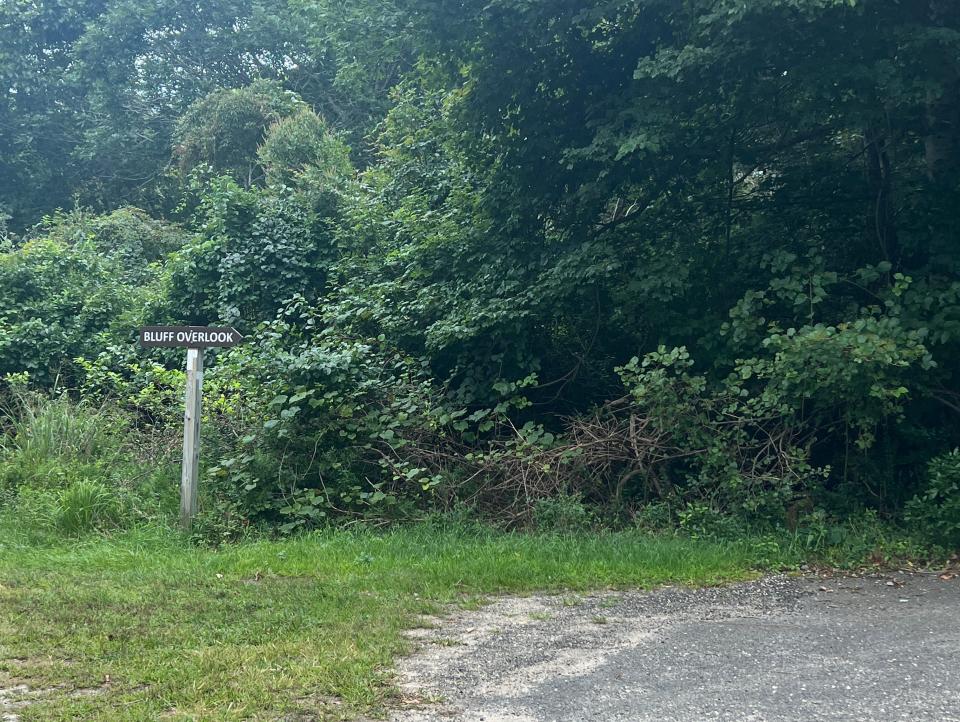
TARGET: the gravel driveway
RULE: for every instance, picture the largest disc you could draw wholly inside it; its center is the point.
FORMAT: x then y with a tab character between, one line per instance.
870	648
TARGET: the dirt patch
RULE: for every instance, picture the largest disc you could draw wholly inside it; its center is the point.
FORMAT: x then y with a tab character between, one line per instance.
15	698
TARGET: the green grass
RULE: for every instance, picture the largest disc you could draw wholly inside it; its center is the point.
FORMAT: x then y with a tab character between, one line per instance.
301	629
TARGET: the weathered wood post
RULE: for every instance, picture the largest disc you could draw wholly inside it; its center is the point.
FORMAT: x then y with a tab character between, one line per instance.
191	437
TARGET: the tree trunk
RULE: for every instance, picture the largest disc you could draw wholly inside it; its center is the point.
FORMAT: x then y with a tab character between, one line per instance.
881	221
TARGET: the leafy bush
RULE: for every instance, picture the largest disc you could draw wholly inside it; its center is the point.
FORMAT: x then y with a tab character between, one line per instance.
321	411
701	521
936	510
333	425
150	393
128	236
81	285
58	302
718	450
655	517
564	514
300	148
743	445
255	251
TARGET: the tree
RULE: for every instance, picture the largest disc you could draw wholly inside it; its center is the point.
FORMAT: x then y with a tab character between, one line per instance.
224	129
92	89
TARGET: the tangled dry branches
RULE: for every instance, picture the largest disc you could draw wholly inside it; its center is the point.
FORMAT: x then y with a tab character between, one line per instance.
620	455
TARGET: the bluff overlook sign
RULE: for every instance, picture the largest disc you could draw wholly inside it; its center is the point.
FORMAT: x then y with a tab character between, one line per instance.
188	336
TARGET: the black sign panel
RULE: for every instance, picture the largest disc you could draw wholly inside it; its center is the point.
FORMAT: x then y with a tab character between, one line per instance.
188	336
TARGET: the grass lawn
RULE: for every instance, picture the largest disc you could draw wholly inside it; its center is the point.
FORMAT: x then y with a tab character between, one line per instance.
144	626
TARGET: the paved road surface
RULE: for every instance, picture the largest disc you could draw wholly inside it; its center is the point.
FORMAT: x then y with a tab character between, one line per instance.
875	648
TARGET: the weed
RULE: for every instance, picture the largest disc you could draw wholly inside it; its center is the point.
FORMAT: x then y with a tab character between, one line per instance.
473	603
87	506
563	514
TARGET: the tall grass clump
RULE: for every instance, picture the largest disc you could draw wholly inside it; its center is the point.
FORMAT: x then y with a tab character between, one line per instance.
72	467
87	505
40	429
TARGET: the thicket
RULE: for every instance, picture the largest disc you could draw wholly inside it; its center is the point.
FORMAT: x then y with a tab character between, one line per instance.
563	264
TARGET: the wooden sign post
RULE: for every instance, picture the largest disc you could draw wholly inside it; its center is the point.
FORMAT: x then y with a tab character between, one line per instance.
191	437
194	339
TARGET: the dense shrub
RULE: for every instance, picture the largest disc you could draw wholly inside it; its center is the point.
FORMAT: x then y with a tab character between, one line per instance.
129	236
224	129
302	149
330	421
254	251
563	514
58	302
936	510
80	285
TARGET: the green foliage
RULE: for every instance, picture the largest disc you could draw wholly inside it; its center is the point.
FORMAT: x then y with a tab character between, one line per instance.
91	90
778	405
856	368
81	284
701	521
129	236
88	506
39	430
224	129
935	511
428	269
57	302
324	409
146	390
369	47
692	261
655	517
254	251
563	514
302	149
718	449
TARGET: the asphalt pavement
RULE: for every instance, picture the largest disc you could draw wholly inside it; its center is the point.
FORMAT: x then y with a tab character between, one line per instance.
883	647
